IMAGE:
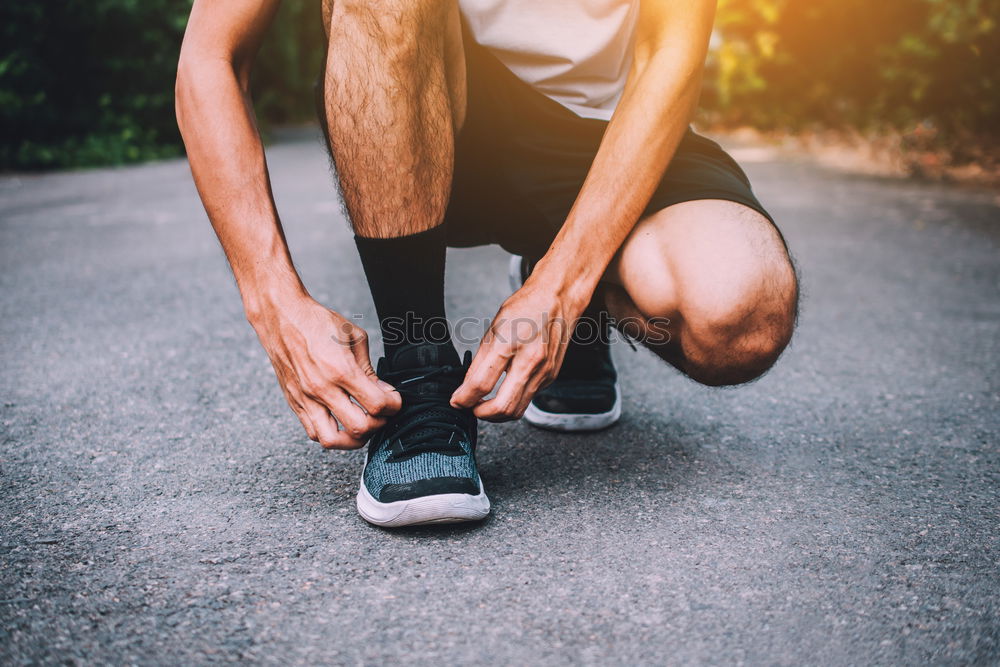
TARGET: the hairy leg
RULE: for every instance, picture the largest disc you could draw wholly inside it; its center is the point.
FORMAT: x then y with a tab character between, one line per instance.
393	100
394	97
709	286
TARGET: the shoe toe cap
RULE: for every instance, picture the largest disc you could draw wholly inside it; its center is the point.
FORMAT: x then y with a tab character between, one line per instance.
428	487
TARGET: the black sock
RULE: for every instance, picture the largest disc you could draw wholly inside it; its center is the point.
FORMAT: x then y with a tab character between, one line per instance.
406	278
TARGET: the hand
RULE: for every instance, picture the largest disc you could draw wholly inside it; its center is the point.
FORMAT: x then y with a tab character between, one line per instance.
322	363
528	340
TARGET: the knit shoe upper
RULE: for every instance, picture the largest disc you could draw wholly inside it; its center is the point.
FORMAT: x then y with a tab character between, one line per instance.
428	447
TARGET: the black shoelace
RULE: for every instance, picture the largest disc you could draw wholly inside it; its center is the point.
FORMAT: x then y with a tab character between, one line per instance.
427	422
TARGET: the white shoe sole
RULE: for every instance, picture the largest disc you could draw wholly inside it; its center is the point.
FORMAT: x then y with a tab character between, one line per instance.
574	423
442	508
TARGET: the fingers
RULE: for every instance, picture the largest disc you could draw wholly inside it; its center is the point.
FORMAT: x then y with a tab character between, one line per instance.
503	406
526	374
375	396
490	362
325	383
296	402
533	367
356	422
306	421
327	433
529	392
359	348
321	426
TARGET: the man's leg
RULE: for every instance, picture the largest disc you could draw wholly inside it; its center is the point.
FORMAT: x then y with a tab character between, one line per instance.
709	286
394	95
394	98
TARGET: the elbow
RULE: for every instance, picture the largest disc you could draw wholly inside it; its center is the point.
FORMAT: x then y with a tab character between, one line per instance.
196	77
182	78
684	69
182	90
198	74
203	82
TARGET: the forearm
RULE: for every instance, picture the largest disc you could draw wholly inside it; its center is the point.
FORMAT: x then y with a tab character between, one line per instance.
227	160
321	360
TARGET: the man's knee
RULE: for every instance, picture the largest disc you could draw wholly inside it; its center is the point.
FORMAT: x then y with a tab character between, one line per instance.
735	333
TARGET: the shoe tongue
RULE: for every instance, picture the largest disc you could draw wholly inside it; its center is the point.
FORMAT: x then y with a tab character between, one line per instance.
423	355
421	359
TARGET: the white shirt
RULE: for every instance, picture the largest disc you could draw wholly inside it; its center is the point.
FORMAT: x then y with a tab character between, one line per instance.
577	52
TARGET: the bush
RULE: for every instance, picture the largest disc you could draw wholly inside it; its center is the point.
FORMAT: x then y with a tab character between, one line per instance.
91	83
859	64
86	83
290	60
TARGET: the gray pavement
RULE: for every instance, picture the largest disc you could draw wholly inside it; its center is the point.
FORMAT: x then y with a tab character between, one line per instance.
160	503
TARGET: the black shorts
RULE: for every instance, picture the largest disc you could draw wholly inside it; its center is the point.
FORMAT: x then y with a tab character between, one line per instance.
521	159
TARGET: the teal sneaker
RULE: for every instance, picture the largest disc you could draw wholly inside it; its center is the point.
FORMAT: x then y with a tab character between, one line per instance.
421	466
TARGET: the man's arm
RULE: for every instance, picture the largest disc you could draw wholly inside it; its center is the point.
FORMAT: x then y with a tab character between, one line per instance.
660	96
320	358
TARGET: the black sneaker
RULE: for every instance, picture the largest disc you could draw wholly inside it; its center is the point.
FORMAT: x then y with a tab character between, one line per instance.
421	466
585	396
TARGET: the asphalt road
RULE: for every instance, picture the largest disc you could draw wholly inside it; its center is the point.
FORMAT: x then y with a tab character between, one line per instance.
160	503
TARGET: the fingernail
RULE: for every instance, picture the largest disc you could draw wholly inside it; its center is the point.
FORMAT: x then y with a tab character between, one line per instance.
385	386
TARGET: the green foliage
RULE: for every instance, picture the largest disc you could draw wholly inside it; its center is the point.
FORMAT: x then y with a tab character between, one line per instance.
89	83
860	64
289	62
86	83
